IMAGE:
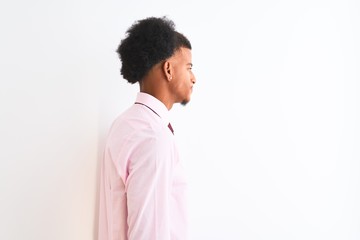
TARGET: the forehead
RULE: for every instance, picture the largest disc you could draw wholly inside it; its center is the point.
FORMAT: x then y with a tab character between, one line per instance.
183	54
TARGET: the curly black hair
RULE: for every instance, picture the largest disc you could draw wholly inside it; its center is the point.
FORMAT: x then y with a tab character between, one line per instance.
148	42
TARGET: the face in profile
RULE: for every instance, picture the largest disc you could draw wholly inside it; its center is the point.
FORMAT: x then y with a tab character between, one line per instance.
183	79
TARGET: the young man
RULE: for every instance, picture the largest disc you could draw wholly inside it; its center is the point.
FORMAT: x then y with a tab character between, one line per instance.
142	191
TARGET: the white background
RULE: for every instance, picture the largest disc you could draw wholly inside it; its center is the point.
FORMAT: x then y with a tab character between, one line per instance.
270	140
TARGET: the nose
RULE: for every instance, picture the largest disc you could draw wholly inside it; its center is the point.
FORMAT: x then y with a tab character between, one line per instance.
193	78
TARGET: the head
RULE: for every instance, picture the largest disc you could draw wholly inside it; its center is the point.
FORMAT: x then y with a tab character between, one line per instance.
153	44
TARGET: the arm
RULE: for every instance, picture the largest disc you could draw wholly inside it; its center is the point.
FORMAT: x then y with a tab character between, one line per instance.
148	188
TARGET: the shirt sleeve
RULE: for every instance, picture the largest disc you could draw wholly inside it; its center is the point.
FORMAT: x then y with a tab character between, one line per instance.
148	189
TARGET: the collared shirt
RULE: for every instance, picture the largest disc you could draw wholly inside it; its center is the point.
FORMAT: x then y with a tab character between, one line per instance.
142	187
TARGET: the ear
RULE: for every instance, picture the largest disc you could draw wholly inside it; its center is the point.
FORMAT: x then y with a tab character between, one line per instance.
168	70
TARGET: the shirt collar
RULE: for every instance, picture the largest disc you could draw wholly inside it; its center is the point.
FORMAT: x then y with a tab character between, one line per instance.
155	104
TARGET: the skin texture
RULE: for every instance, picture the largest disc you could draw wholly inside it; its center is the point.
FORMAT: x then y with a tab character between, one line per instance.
171	81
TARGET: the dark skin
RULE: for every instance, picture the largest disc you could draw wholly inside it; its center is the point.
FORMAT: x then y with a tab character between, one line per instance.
171	81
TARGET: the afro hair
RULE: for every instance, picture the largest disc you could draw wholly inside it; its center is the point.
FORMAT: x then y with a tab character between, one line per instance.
148	42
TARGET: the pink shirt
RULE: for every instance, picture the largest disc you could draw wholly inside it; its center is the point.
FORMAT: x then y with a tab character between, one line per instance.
142	187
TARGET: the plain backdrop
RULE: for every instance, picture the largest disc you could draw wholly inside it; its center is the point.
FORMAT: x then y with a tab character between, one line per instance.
270	140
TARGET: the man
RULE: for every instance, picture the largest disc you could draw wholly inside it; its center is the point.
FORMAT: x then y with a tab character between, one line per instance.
142	191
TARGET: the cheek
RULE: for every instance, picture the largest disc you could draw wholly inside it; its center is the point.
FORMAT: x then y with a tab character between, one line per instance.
186	83
186	77
183	81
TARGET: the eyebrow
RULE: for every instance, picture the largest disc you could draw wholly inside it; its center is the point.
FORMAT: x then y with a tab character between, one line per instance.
190	64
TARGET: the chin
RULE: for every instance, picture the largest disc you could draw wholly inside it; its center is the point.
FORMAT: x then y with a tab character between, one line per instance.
184	102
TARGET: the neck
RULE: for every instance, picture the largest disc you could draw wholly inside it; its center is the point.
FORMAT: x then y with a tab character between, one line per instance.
157	92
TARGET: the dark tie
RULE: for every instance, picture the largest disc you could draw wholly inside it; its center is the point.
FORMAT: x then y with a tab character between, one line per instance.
170	127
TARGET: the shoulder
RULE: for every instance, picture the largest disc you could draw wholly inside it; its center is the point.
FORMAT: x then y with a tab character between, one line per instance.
137	126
